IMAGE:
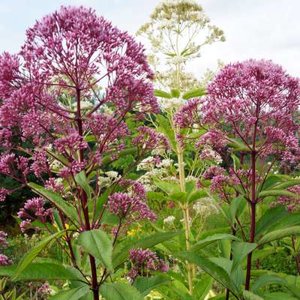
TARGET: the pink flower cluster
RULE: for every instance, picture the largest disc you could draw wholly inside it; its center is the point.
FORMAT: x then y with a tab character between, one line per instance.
254	100
143	262
131	205
149	139
3	194
4	260
70	143
291	203
70	58
34	209
189	114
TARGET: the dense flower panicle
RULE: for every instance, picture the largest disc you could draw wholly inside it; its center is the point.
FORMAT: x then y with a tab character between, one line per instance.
3	194
143	261
55	185
109	132
292	203
214	138
3	241
209	154
73	67
77	50
34	209
130	206
7	162
213	171
4	260
9	74
149	139
188	114
72	142
40	164
255	97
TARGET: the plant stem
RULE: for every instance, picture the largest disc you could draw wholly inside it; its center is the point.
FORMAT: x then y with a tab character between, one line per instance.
186	216
253	216
84	202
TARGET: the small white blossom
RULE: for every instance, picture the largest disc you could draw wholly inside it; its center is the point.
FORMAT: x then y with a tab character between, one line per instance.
169	220
112	174
165	163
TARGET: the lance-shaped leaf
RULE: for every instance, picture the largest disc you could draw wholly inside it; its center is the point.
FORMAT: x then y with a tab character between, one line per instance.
82	180
213	238
146	284
97	243
279	234
34	252
120	291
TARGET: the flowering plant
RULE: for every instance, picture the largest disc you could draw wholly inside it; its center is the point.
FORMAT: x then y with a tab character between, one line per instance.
71	100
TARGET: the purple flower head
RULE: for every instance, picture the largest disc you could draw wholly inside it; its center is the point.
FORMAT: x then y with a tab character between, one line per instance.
3	194
34	209
143	261
189	114
149	139
4	260
254	100
292	203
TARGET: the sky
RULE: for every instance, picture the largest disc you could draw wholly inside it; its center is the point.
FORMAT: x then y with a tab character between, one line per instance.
268	29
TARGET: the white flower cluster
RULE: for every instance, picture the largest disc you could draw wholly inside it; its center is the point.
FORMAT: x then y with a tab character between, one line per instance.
105	181
209	154
169	220
168	104
205	207
154	169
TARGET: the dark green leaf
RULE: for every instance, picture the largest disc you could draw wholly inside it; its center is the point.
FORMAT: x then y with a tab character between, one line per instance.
119	291
34	252
146	284
97	243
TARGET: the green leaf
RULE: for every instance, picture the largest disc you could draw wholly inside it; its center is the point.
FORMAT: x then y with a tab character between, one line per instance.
270	218
279	234
46	271
203	287
213	238
73	294
276	193
175	93
119	291
240	250
121	252
279	295
34	252
82	180
162	94
194	93
251	296
212	268
178	197
264	280
236	162
146	284
291	219
196	195
271	181
165	127
288	183
57	200
97	243
237	207
167	187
